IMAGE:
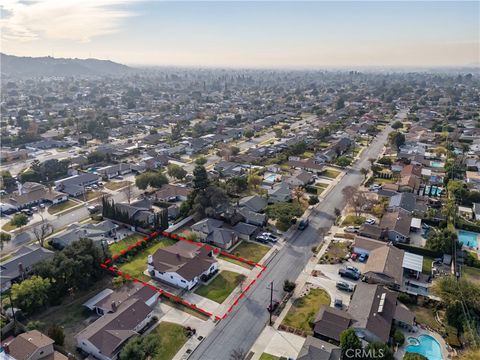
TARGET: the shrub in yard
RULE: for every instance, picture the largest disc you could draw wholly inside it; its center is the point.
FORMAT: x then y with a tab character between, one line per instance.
407	299
288	286
312	200
55	332
398	337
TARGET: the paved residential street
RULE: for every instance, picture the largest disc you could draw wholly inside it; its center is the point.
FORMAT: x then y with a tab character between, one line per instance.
246	322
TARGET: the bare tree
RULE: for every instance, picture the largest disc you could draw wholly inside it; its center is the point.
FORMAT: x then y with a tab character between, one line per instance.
298	193
355	199
42	230
238	354
128	192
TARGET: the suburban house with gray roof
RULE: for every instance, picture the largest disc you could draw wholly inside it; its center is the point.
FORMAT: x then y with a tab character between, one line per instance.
182	264
98	233
21	264
372	311
397	225
30	194
316	349
105	338
253	203
75	185
108	300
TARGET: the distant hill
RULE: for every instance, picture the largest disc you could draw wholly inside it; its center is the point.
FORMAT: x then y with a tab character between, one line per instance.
27	67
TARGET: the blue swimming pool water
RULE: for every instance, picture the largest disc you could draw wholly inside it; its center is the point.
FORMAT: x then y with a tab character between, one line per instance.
271	178
436	164
425	345
468	238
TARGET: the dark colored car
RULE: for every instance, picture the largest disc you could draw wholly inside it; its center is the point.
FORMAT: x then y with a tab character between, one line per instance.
349	274
342	285
303	224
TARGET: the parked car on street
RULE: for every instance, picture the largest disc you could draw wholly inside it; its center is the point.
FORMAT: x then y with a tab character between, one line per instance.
370	221
303	224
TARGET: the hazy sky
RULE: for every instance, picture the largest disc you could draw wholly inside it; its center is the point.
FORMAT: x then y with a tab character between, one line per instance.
253	34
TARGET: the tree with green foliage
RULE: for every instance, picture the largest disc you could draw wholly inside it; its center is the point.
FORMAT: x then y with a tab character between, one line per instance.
254	181
397	125
201	160
153	179
200	178
55	332
4	237
31	294
398	337
312	200
343	161
349	341
19	220
176	171
459	296
141	347
442	241
34	325
236	184
248	133
396	139
379	351
209	201
73	268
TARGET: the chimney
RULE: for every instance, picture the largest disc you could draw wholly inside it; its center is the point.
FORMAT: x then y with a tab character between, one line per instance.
150	259
114	306
19	188
20	268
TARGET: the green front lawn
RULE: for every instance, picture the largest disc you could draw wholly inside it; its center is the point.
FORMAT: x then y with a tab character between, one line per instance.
336	252
221	286
138	263
330	173
55	209
172	338
250	251
123	244
266	356
351	220
427	265
9	227
304	309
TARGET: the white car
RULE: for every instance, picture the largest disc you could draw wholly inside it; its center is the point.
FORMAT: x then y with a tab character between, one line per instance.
370	221
375	187
351	229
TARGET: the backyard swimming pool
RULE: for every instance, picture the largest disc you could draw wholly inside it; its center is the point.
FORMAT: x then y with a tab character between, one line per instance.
425	345
437	164
468	238
270	178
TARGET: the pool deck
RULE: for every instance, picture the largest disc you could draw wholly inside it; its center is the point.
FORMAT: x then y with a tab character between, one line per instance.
447	351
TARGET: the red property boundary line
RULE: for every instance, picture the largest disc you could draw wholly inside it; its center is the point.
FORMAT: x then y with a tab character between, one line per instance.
108	265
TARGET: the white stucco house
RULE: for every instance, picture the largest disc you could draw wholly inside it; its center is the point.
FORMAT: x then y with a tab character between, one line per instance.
182	264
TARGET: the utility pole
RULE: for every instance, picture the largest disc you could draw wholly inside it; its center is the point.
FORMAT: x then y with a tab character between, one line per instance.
271	302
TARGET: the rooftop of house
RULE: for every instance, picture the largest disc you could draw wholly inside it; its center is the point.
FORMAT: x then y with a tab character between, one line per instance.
186	259
373	308
387	260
